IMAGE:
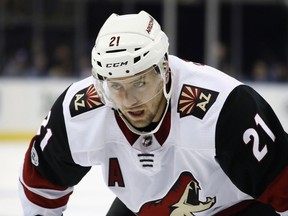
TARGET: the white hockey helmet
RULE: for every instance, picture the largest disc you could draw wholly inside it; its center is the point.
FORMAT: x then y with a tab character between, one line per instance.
127	45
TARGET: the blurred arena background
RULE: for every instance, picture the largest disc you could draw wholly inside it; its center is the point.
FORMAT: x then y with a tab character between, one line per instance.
45	46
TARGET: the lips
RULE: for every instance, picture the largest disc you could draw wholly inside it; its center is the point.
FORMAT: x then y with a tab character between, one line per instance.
137	113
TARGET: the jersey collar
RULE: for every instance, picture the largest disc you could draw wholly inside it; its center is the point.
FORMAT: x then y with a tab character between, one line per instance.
161	135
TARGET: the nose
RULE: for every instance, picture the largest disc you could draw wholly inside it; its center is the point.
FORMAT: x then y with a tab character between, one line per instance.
130	99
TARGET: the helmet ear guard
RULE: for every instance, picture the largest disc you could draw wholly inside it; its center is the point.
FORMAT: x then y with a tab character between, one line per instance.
98	86
164	70
166	76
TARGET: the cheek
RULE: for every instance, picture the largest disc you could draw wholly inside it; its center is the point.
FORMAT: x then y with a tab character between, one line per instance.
117	98
118	101
154	104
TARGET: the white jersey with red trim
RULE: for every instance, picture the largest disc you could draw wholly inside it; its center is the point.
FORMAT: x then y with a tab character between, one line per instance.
220	144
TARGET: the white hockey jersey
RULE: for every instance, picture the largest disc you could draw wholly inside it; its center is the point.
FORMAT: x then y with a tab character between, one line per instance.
220	145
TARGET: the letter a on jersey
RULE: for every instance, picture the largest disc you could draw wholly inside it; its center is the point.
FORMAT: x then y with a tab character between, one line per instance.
115	174
195	101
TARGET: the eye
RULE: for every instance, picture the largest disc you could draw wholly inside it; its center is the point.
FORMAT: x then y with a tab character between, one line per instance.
139	84
115	86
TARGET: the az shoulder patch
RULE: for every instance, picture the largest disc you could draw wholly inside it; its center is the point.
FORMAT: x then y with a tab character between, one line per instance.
85	100
195	101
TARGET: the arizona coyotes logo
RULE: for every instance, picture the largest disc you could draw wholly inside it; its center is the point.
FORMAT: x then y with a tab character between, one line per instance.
181	200
85	100
195	101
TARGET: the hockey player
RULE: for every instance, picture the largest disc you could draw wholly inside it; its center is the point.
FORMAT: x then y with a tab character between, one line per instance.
173	137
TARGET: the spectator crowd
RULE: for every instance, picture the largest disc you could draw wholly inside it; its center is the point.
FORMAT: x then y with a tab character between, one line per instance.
62	63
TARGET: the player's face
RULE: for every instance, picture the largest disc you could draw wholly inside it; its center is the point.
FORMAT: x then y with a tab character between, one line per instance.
139	98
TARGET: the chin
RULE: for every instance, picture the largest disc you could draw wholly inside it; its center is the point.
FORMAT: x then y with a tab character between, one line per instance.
139	124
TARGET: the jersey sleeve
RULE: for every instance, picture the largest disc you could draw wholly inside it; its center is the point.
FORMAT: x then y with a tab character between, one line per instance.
49	172
252	147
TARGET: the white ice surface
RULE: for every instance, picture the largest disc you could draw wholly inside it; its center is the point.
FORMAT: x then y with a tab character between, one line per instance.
90	196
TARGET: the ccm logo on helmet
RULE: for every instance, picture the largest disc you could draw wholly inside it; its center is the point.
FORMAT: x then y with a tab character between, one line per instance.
118	64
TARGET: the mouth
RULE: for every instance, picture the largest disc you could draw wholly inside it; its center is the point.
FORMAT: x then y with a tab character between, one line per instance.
136	114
